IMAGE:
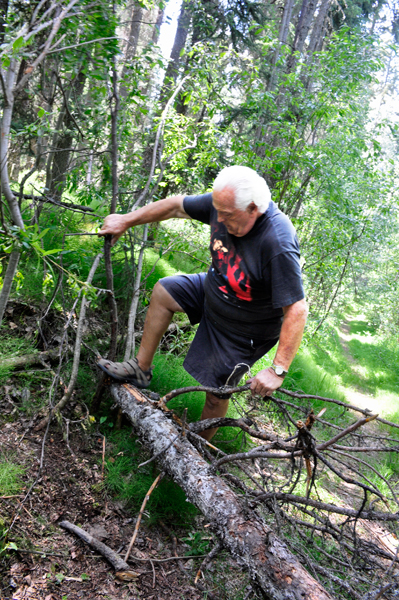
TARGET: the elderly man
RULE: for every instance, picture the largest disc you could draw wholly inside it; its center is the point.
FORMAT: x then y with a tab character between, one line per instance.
250	299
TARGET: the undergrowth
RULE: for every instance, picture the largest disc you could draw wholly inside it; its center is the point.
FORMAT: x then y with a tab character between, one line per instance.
128	483
10	476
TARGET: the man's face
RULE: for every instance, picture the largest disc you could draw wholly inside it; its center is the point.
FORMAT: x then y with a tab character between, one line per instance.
237	222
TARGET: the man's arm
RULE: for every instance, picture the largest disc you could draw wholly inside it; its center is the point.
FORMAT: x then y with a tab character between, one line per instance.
266	381
169	208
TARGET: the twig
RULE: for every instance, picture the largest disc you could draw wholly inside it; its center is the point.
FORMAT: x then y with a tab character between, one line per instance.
154	578
103	458
41	552
365	412
115	560
371	515
158	453
136	529
207	560
67	421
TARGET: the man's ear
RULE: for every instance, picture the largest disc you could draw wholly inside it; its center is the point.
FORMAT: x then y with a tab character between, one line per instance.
251	208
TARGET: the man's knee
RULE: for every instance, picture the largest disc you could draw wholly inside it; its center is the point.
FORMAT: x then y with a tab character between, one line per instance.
163	297
214	402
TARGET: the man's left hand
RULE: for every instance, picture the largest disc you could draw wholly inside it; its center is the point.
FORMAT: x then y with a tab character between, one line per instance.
266	382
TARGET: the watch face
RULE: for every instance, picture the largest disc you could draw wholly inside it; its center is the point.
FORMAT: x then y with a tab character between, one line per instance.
279	370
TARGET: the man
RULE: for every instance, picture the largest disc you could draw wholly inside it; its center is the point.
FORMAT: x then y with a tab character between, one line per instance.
250	299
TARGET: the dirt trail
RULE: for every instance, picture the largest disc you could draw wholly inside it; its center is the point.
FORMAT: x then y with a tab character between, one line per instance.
353	395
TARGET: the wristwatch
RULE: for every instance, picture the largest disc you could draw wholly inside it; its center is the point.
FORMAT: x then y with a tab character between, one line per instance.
279	370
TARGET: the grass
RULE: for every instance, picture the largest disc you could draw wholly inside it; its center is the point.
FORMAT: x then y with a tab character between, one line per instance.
368	365
10	477
126	482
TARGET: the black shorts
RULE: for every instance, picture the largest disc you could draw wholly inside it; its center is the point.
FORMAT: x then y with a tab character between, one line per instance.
215	357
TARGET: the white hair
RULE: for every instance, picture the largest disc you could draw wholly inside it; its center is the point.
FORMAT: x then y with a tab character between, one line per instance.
247	185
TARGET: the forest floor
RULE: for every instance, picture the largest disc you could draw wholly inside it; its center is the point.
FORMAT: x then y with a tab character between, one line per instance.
41	561
51	564
45	562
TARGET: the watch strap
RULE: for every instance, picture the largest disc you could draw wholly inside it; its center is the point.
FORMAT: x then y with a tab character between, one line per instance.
279	371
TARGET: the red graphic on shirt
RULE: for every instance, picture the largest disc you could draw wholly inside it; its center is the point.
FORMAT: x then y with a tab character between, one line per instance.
228	264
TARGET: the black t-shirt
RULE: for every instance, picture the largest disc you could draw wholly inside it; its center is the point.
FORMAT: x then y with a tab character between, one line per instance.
251	277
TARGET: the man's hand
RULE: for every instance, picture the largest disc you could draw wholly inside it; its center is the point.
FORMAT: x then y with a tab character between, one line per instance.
266	382
114	225
169	208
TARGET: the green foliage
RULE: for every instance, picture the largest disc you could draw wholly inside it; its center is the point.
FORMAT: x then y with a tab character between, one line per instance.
10	476
198	545
126	481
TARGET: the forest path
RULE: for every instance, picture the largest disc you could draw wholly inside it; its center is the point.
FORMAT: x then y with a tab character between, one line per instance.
354	394
368	373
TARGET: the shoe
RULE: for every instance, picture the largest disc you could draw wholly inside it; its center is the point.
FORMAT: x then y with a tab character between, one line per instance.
126	372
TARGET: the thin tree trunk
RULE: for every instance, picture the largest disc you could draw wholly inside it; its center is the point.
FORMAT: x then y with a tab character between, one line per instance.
5	144
114	101
5	182
135	300
253	544
78	345
131	47
318	27
175	57
8	279
282	39
302	29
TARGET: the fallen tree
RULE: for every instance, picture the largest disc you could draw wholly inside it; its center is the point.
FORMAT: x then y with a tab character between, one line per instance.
250	540
340	544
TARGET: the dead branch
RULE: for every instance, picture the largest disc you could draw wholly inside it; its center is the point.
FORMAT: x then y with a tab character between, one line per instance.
370	515
29	359
364	412
112	557
277	572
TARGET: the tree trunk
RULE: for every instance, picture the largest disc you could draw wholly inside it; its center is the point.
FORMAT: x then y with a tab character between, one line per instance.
175	56
282	39
131	47
253	544
8	279
318	27
63	147
302	29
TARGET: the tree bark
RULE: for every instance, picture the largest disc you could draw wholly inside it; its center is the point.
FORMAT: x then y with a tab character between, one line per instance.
175	57
302	29
29	359
282	40
253	544
8	279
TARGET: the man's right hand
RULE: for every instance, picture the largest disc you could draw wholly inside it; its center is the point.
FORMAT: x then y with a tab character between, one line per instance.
114	225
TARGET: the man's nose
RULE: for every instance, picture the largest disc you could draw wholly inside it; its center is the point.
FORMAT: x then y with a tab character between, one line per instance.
220	218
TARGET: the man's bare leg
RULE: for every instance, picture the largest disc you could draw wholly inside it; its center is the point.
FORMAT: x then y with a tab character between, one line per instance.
159	315
214	407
